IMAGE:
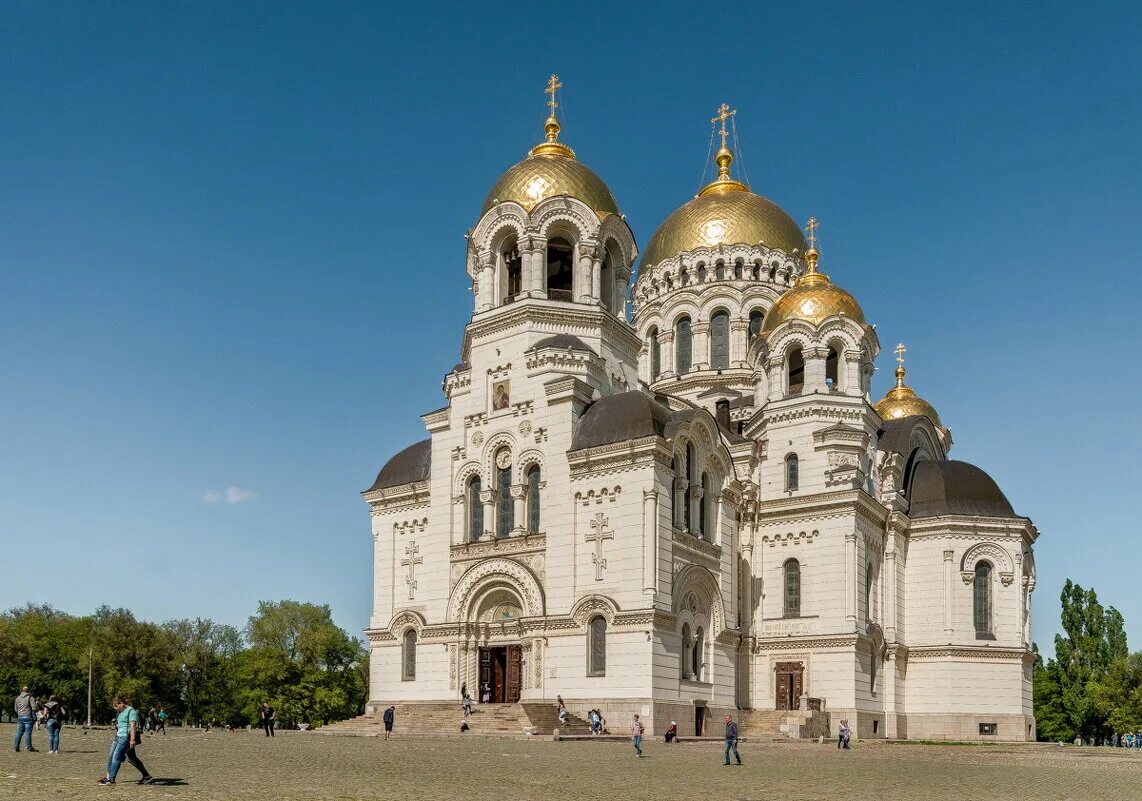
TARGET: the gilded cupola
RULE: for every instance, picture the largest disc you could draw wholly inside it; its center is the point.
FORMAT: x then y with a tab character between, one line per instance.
724	212
902	400
551	169
814	298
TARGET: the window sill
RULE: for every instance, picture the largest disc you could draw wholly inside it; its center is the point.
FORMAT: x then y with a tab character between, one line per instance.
984	635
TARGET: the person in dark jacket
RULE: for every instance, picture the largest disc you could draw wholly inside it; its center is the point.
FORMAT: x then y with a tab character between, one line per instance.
268	715
388	719
732	740
26	709
53	722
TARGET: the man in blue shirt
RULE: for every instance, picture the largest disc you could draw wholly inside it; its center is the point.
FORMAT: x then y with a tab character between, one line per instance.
732	740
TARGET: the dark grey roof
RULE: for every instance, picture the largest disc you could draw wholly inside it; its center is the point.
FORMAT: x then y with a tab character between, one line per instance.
955	488
618	418
459	367
896	434
562	341
411	464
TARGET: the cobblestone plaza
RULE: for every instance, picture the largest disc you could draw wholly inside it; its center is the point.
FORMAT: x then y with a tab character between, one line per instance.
300	767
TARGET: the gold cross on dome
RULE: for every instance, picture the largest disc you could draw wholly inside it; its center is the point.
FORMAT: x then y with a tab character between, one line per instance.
724	113
811	230
900	351
552	85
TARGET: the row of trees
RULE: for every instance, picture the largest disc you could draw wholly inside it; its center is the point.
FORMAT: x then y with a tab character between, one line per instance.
290	654
1093	687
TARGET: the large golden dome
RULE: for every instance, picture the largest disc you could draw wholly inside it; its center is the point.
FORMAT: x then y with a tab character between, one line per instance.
902	401
814	299
550	169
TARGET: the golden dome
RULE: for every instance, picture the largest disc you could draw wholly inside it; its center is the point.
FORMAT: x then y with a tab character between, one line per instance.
902	401
814	299
550	169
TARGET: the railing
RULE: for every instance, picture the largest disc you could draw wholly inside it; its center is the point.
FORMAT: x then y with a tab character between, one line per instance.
565	295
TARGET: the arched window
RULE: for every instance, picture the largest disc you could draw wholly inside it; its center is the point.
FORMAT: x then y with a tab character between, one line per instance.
792	479
597	646
505	504
607	283
755	318
533	499
737	270
792	607
408	656
831	365
696	654
560	269
655	355
475	510
687	646
513	267
704	506
796	371
683	346
688	469
981	593
720	272
675	487
720	341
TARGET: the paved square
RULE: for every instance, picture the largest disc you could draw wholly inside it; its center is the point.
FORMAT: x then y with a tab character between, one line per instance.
309	766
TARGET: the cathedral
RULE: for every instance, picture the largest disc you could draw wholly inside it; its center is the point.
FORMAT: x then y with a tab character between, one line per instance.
660	485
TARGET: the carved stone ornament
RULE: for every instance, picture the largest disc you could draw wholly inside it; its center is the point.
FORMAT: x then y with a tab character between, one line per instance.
504	459
478	438
525	428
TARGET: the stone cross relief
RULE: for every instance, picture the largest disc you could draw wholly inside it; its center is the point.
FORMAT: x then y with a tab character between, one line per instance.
599	532
411	559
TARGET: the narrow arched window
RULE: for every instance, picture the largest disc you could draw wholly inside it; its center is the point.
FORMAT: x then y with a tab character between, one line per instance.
704	507
560	269
720	341
683	345
755	318
408	656
597	646
475	510
687	645
792	586
655	354
505	509
868	588
533	478
513	266
675	488
688	469
981	592
607	283
737	270
796	371
720	272
696	653
832	362
792	479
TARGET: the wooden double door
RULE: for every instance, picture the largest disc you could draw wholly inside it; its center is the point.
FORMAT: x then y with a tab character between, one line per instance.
790	684
501	671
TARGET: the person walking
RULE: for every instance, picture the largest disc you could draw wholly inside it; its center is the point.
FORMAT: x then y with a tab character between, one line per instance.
672	731
732	740
162	716
26	708
636	730
390	713
127	732
843	735
267	715
56	715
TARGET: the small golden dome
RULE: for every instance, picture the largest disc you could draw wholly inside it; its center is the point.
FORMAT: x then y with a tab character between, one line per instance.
814	299
902	400
550	169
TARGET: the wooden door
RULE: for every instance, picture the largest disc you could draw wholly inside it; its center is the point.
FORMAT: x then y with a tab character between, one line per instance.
699	720
790	684
485	672
514	674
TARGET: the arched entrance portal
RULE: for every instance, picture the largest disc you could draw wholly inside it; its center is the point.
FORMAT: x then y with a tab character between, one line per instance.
500	666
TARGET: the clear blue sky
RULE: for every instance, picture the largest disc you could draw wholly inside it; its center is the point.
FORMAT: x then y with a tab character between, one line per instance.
232	255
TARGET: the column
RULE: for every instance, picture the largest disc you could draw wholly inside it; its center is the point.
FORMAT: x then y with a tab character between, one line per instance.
620	295
775	368
949	588
488	498
666	343
519	493
739	331
890	585
486	287
649	540
584	281
539	269
850	576
850	381
814	369
680	485
696	493
701	332
596	280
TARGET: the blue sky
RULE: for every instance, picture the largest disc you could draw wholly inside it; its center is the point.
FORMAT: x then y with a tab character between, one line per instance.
232	255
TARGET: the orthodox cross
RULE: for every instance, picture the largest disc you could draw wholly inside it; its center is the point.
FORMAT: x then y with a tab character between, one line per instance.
599	532
552	85
811	230
900	351
411	560
724	113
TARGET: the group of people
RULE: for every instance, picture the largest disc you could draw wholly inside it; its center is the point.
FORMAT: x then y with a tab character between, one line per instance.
638	730
1128	740
30	714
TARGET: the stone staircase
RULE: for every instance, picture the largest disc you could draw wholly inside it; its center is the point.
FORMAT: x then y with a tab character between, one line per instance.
436	719
780	724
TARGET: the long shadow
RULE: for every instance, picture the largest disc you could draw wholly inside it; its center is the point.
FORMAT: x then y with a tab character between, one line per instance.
169	782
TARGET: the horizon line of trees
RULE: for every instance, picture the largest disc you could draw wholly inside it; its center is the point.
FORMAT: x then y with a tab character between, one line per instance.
290	654
1092	688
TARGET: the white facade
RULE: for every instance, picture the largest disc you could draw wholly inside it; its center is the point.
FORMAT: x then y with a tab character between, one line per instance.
676	565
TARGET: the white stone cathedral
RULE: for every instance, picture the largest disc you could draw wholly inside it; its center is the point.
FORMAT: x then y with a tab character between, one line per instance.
696	513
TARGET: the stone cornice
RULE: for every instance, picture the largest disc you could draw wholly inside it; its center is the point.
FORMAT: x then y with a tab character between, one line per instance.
779	511
795	643
507	546
696	546
975	653
735	378
619	455
554	317
404	496
965	527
